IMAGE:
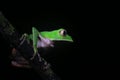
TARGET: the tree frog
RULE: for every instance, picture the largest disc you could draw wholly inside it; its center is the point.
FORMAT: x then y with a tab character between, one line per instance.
42	40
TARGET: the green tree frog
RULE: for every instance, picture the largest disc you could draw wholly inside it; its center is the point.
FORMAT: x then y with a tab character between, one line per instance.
40	40
46	38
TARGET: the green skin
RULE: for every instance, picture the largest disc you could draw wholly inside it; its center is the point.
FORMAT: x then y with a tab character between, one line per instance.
46	38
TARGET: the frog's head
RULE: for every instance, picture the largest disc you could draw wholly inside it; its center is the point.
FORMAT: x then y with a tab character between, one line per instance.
48	37
57	35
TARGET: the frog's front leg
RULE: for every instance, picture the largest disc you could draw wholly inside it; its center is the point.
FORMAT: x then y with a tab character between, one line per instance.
34	41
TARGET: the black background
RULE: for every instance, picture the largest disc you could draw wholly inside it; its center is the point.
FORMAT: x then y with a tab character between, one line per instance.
89	26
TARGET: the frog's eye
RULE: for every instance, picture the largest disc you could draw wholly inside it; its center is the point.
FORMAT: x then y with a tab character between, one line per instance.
63	32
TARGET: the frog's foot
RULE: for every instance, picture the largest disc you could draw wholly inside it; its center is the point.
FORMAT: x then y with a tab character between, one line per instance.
18	60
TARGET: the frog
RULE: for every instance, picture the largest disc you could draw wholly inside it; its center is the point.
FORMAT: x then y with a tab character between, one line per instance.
38	40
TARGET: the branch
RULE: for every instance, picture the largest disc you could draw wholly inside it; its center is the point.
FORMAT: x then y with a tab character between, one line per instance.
11	35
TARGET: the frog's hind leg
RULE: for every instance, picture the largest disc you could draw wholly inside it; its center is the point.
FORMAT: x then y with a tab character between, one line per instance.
18	61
